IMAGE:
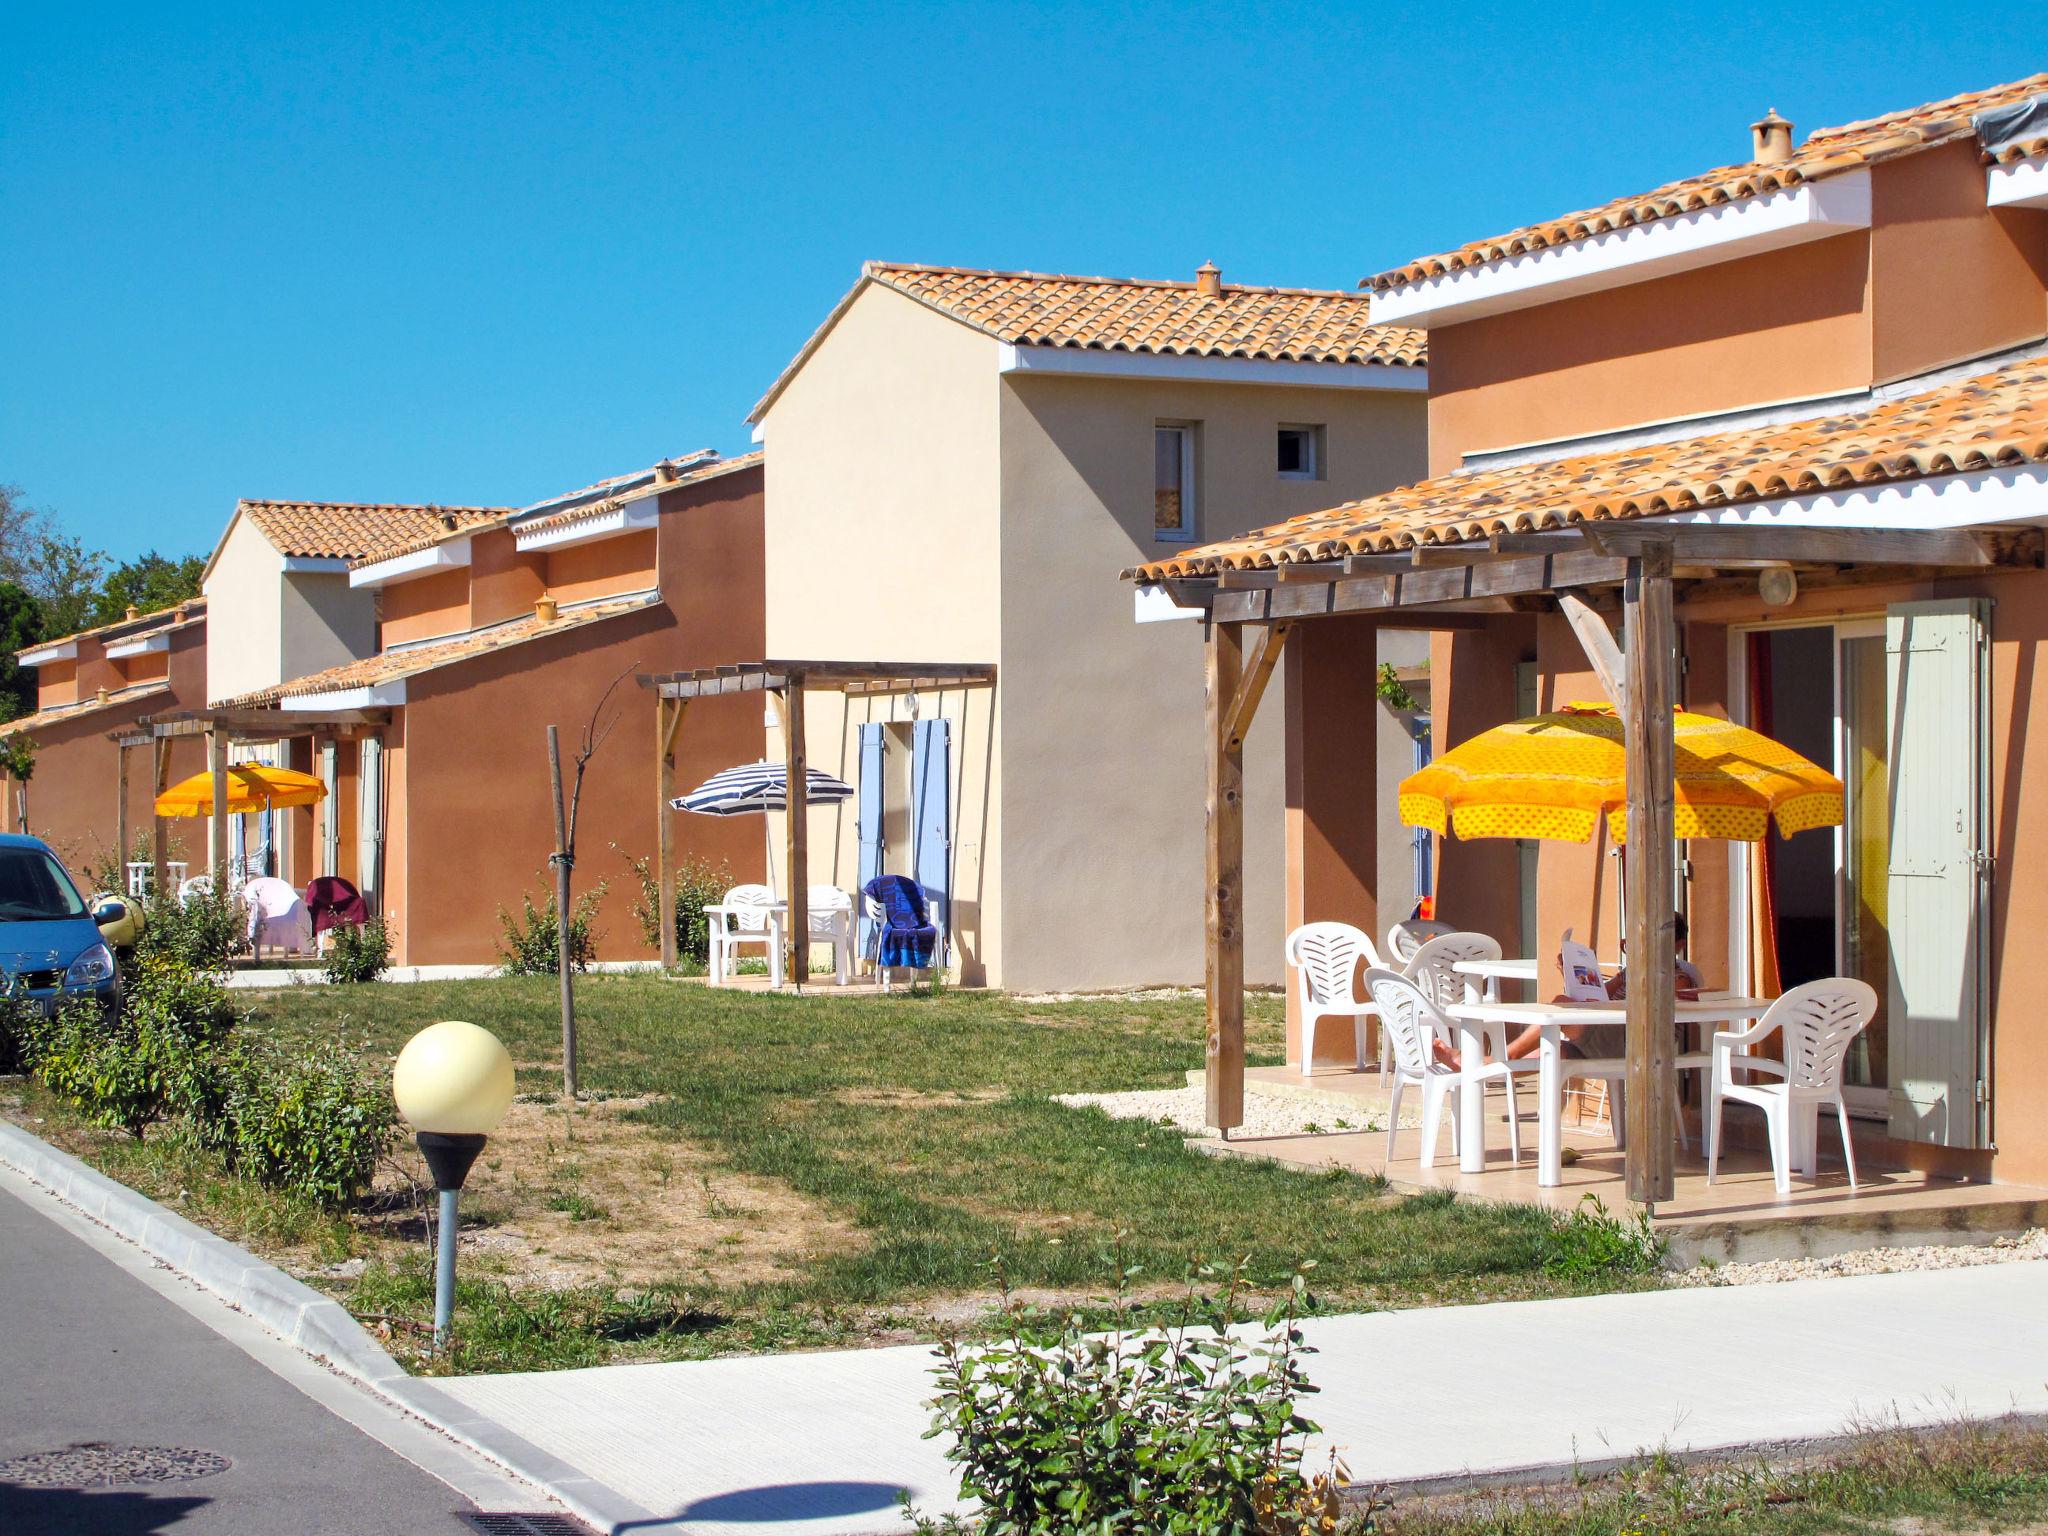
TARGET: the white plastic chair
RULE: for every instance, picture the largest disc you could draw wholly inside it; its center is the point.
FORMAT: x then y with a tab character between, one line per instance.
878	918
743	917
1412	1022
198	885
1404	938
831	922
1432	968
1325	958
1817	1021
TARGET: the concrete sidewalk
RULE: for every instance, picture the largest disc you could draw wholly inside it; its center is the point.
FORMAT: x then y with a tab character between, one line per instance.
806	1445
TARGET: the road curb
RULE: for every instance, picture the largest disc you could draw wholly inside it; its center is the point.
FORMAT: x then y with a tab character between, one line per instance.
314	1324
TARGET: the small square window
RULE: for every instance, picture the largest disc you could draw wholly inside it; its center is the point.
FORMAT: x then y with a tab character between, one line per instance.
1173	480
1301	453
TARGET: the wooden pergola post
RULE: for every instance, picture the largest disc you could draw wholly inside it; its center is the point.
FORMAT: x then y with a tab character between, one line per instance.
797	860
668	724
1234	687
159	833
217	753
121	813
1649	860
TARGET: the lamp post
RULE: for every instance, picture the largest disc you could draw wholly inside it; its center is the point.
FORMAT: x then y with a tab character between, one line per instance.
453	1084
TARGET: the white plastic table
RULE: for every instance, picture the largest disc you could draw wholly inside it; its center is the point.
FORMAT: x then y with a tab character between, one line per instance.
1552	1018
777	913
1497	970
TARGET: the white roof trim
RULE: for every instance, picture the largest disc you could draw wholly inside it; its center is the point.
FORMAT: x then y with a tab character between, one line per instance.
43	655
449	555
2010	495
1180	368
141	645
629	517
1154	604
2018	184
1812	210
369	696
315	565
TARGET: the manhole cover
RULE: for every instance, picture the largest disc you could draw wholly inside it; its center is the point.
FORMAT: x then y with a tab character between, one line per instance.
99	1465
525	1525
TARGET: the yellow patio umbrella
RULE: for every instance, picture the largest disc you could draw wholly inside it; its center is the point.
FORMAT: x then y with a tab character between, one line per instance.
251	787
1555	775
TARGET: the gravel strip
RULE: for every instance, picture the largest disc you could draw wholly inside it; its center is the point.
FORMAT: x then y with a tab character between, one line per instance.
2032	1244
1265	1114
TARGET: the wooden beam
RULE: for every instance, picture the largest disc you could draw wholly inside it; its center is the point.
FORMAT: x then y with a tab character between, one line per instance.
1245	581
1223	925
668	724
1706	543
1258	670
1649	863
1375	564
160	832
1403	586
1311	570
797	862
217	760
121	814
1598	642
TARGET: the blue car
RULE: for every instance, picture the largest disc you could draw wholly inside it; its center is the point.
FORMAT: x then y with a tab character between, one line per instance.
51	948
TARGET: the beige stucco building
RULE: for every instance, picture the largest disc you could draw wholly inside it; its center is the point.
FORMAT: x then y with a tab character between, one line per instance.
952	460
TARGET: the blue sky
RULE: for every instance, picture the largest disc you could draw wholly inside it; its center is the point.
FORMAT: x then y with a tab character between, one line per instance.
484	254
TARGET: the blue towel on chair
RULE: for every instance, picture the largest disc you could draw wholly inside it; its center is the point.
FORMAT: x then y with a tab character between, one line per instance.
908	937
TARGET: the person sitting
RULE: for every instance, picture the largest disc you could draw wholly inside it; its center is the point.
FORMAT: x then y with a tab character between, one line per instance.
1586	1041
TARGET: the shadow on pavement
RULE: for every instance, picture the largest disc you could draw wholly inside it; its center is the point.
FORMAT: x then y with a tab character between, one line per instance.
28	1511
794	1501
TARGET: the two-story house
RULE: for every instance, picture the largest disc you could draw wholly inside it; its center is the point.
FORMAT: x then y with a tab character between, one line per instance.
951	457
1817	380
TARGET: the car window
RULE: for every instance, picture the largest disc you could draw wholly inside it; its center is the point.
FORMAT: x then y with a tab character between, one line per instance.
34	887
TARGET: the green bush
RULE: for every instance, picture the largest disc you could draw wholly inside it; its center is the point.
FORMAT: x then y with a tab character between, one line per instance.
21	1023
202	934
310	1122
700	883
1593	1242
1186	1430
530	945
358	952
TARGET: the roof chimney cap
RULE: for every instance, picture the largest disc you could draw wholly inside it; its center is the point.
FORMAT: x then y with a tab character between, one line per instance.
1771	139
132	613
1209	280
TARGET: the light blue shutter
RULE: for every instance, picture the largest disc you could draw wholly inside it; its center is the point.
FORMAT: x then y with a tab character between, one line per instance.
869	826
1935	675
931	765
370	824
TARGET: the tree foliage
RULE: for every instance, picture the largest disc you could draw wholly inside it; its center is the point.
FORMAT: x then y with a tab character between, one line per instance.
66	586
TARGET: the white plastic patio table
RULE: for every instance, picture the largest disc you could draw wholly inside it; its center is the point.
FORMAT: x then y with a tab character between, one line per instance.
777	913
1551	1018
1497	970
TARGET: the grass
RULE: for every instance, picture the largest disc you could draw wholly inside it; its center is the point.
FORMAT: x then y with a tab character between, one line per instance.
869	1155
1964	1478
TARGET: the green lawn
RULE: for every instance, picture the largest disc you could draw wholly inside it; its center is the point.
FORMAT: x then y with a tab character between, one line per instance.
868	1156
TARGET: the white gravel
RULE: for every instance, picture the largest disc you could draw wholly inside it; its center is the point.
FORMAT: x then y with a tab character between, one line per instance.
2032	1244
1265	1114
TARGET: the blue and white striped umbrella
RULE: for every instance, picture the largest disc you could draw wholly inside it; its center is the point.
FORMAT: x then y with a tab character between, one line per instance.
756	787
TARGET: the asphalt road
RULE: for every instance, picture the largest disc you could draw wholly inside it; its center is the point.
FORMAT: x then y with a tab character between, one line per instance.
91	1353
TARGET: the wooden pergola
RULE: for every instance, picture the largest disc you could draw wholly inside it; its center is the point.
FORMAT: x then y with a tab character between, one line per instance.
1452	585
220	728
785	682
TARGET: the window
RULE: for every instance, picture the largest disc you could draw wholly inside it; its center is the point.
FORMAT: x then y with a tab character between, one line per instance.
1173	480
1301	453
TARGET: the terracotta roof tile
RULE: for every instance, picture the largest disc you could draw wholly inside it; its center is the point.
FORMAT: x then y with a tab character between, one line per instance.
1828	152
57	714
409	661
348	530
1121	314
1995	418
190	610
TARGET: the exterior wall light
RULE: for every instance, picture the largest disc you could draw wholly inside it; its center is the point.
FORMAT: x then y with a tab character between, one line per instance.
453	1083
1777	586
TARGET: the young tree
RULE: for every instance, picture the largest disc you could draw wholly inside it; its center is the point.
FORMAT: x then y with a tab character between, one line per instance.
603	718
21	626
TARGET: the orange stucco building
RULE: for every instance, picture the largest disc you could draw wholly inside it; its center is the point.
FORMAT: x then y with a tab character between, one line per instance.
1847	334
88	686
490	629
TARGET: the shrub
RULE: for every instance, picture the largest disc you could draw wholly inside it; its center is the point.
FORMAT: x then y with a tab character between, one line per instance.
21	1023
530	944
203	934
1592	1241
311	1122
1188	1430
700	883
358	952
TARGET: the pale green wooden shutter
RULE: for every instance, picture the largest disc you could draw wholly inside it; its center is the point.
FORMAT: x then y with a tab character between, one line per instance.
1936	665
